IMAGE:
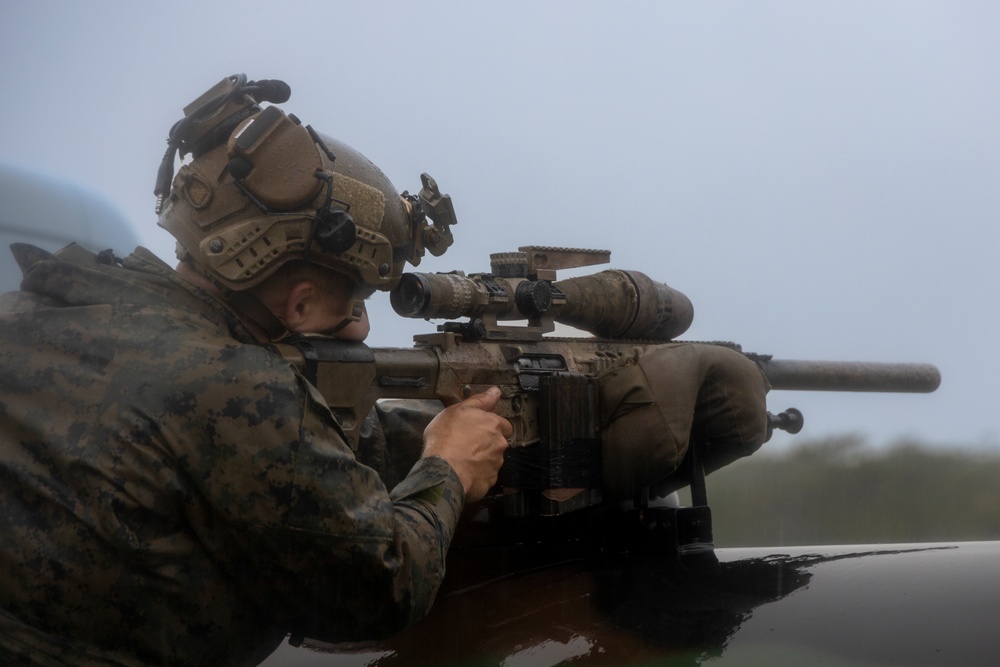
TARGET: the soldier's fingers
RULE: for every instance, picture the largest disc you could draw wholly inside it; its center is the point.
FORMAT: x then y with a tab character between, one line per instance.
506	429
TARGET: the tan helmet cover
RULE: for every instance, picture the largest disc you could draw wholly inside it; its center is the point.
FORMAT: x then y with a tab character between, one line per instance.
276	192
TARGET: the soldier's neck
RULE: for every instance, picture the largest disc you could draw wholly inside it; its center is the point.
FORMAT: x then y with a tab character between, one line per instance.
193	276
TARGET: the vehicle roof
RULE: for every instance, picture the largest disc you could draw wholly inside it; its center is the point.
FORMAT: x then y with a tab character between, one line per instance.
50	212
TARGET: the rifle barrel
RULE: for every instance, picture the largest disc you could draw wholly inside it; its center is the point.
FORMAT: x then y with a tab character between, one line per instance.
850	376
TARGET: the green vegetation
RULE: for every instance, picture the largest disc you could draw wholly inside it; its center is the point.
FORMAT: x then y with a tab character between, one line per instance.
839	491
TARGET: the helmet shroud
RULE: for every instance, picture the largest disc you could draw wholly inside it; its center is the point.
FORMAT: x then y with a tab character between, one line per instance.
277	191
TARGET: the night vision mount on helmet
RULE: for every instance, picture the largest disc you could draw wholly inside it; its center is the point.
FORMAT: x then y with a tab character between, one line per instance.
261	190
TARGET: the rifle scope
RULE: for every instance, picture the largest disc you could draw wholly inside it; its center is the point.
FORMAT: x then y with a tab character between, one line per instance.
610	304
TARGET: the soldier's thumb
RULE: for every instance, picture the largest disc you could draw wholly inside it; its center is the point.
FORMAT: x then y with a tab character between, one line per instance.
486	400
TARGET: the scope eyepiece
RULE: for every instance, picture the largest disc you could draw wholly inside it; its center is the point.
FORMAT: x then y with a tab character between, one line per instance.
411	296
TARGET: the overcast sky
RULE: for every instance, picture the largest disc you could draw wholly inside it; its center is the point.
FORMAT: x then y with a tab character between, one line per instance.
820	178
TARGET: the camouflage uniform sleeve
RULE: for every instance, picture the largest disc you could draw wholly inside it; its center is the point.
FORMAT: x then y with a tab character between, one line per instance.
392	436
320	543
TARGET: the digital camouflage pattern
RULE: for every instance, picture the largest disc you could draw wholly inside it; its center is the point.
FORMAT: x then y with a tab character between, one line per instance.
175	494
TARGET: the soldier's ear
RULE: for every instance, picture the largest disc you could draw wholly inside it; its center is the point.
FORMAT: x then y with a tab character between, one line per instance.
300	306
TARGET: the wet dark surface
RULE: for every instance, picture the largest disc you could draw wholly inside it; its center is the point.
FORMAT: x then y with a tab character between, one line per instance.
867	605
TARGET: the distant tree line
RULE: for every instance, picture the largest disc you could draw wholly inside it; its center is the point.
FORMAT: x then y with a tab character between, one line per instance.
840	491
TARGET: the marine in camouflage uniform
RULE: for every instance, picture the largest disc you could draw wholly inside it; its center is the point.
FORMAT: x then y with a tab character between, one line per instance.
176	494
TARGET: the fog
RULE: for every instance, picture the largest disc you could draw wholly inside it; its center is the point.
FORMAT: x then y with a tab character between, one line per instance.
821	179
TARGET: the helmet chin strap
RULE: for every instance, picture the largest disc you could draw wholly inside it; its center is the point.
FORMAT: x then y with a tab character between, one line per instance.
357	309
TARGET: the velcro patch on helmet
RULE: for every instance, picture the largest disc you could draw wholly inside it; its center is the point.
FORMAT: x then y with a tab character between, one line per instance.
195	189
367	204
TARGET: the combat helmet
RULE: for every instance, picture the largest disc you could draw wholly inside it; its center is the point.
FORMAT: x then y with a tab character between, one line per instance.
262	189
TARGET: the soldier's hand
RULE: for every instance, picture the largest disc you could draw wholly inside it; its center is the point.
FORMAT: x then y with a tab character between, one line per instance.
470	437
